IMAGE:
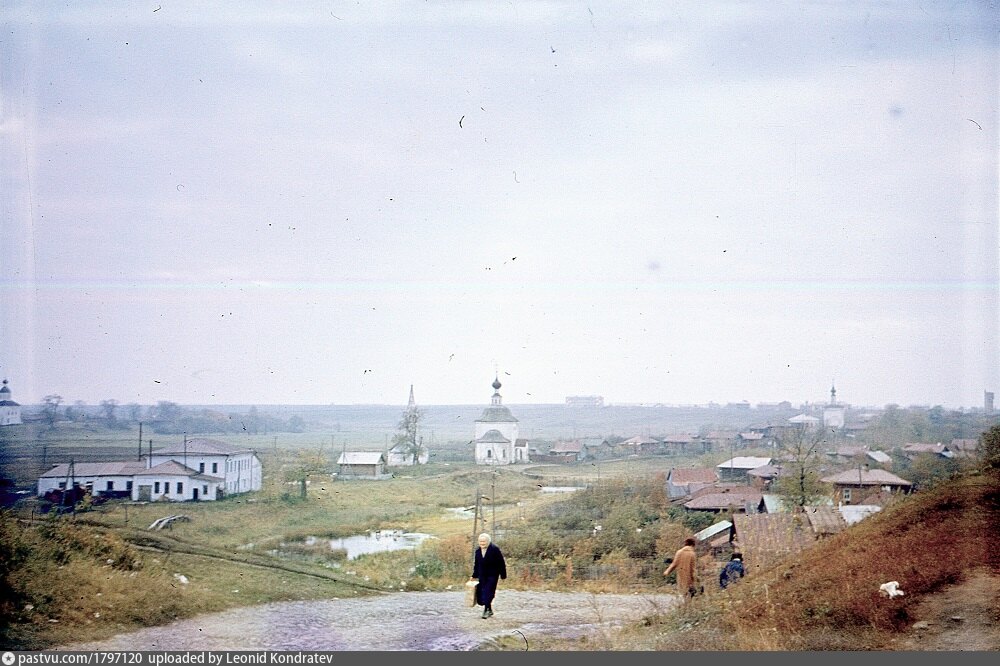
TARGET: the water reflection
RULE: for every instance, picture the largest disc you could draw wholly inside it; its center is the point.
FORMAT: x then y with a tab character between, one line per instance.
377	542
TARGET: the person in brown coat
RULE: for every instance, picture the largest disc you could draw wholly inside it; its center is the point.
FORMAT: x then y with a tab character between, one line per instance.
684	564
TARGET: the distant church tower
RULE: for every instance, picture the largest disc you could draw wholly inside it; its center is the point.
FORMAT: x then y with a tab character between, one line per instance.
834	413
10	411
496	434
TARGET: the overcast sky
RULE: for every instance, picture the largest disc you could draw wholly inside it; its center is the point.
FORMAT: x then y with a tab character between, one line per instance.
668	202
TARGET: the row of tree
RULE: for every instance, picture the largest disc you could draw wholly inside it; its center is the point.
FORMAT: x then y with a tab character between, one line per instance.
166	418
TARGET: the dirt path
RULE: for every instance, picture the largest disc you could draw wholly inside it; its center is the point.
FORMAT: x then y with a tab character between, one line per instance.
415	621
960	617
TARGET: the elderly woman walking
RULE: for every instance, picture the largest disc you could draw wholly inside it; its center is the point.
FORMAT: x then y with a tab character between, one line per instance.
489	569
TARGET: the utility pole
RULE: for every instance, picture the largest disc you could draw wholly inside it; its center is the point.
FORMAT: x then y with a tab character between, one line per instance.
475	521
493	500
185	450
140	441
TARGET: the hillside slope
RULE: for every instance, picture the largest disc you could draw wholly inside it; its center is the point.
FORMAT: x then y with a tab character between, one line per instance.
942	546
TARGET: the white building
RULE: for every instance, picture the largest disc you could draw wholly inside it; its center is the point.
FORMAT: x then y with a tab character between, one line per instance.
496	434
239	468
196	470
10	411
136	480
834	414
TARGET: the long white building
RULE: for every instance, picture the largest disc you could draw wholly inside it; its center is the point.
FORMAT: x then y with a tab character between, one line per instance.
195	470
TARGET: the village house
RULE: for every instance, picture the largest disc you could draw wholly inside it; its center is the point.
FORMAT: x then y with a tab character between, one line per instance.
804	420
679	444
914	449
725	498
880	457
735	469
370	465
860	486
571	450
402	455
763	477
848	452
641	444
683	482
964	447
719	440
767	538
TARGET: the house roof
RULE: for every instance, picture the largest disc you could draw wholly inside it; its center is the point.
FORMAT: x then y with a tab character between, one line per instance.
866	477
916	447
9	403
174	468
493	436
849	451
765	538
567	447
803	418
712	530
641	439
678	439
724	500
744	462
964	445
825	519
766	471
853	513
120	468
683	475
200	445
361	458
879	456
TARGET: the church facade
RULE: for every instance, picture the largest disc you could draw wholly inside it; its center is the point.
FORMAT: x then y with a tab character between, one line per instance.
496	441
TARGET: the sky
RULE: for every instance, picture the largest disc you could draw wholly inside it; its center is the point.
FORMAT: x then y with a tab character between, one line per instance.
329	202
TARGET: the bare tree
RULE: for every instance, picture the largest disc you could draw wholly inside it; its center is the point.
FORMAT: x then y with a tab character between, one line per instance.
108	410
50	410
306	464
407	434
799	483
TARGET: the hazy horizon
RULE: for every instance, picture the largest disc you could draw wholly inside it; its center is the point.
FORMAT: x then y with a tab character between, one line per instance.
324	203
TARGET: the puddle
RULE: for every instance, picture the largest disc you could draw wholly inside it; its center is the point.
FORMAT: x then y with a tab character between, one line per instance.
561	489
373	542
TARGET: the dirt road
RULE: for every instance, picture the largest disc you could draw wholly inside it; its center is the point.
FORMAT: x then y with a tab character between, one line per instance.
416	621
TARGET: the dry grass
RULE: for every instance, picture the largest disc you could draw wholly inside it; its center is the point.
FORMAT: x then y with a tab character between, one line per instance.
827	598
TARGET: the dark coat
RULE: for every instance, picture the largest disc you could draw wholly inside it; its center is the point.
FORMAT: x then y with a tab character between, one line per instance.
489	570
729	574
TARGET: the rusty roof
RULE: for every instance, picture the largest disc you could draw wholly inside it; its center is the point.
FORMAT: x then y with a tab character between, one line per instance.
866	477
682	475
825	519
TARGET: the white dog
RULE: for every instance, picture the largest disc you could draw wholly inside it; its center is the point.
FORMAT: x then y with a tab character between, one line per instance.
891	589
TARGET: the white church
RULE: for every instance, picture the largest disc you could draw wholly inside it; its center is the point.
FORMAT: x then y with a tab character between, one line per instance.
10	411
496	434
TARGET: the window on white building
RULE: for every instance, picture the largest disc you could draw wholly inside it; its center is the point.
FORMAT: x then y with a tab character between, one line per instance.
166	487
847	495
180	488
215	467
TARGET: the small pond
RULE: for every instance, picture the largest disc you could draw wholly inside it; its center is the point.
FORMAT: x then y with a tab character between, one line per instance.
561	489
380	541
